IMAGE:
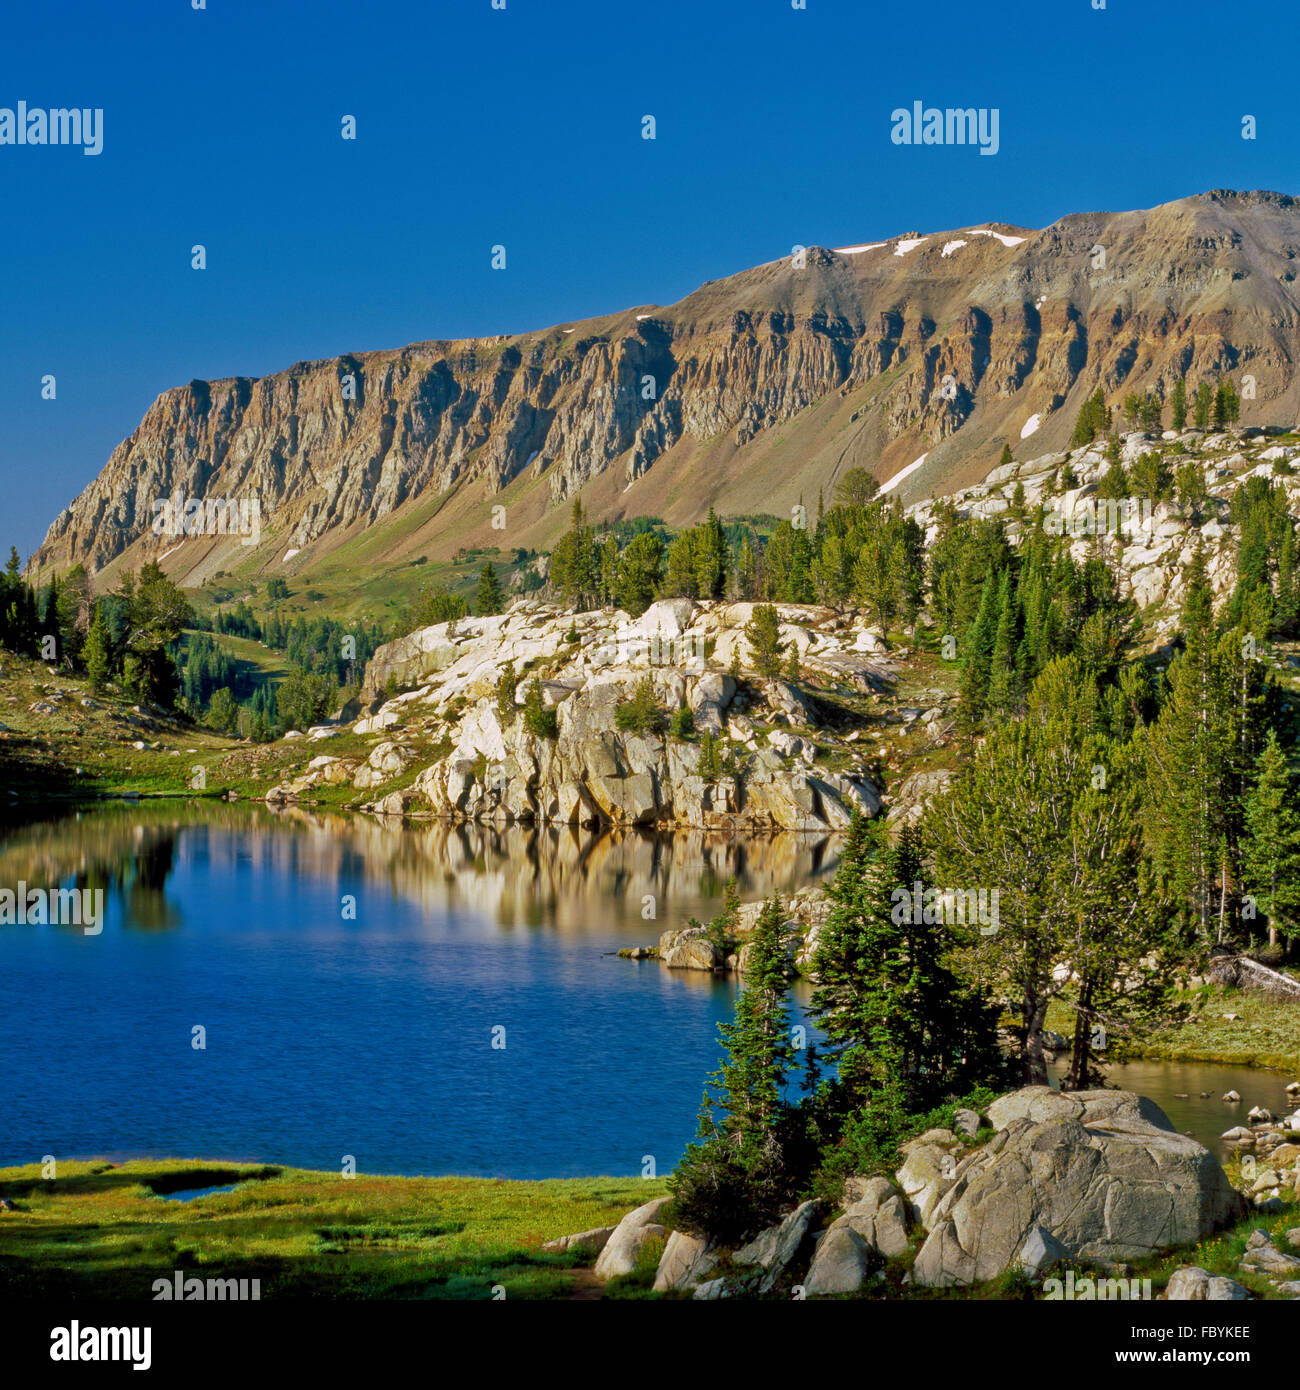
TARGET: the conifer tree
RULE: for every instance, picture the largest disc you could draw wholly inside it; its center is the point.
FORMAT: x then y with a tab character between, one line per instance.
1271	861
894	1014
766	649
489	598
710	555
734	1178
1180	404
97	653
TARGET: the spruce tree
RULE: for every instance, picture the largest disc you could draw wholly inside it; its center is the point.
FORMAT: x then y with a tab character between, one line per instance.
1271	859
489	599
97	653
763	633
894	1014
734	1179
1180	404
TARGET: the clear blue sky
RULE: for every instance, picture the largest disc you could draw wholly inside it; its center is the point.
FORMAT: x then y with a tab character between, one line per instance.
523	127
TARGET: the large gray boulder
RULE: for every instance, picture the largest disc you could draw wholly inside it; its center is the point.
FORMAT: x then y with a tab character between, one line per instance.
875	1210
929	1170
687	1261
635	1230
689	949
773	1249
1102	1172
1192	1284
840	1261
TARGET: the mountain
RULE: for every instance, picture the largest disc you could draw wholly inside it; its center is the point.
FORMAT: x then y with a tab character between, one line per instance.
919	356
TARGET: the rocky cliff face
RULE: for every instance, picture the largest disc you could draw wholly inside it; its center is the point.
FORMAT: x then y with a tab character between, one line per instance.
764	386
592	772
1149	542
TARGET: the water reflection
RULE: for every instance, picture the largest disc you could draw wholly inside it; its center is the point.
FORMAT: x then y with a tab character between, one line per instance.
567	878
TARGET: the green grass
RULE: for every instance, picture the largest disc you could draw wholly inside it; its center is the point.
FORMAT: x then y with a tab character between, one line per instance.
100	1230
1266	1032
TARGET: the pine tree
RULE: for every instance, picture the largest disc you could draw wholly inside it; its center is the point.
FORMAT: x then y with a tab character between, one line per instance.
1006	456
1288	592
763	632
894	1015
1093	419
979	656
1271	858
1028	818
489	599
1203	405
710	554
97	653
734	1178
1004	682
1180	404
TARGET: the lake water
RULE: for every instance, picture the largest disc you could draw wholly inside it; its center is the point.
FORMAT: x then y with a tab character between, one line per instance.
328	1035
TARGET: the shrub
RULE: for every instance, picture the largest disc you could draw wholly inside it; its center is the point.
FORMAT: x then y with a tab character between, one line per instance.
641	714
710	759
538	720
507	687
683	723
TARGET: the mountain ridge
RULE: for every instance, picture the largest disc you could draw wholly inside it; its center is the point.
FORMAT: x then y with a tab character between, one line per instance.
750	393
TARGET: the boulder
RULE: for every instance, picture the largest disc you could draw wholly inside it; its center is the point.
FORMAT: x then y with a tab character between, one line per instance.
874	1209
1192	1284
689	949
839	1263
1263	1257
966	1123
927	1173
1103	1172
773	1249
626	1239
686	1262
597	1238
1041	1251
714	1289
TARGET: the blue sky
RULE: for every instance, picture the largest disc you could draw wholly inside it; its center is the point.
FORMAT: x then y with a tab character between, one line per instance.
523	127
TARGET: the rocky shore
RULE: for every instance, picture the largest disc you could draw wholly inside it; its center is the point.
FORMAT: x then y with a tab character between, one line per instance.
1042	1184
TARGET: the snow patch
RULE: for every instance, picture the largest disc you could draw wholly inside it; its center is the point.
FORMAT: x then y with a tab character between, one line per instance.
1031	426
908	244
857	250
531	457
175	548
289	554
639	317
951	246
898	477
1001	236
